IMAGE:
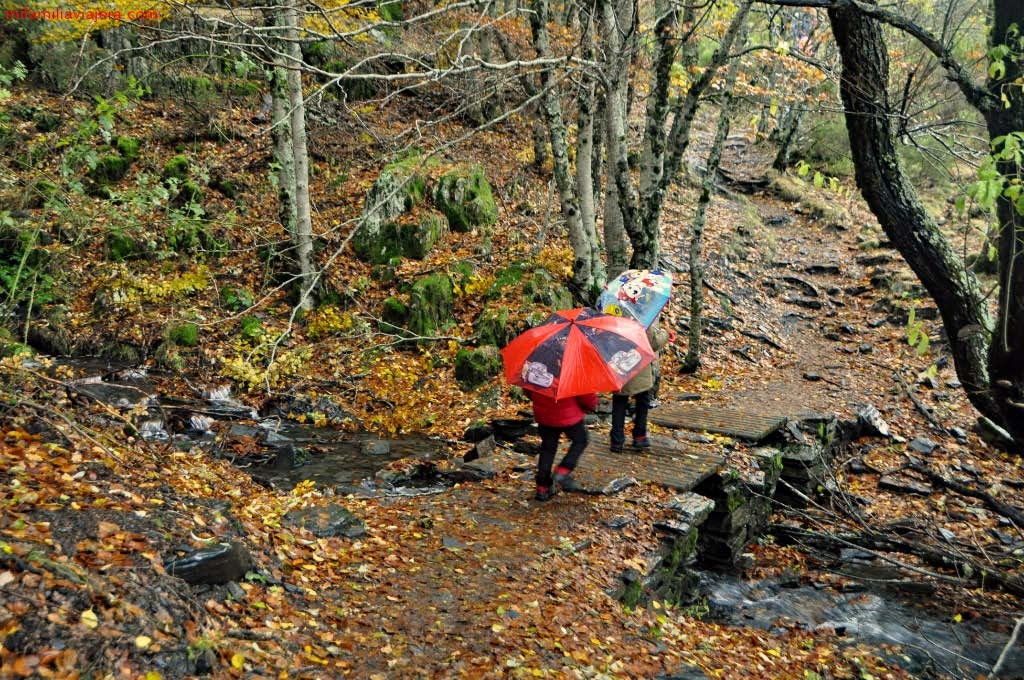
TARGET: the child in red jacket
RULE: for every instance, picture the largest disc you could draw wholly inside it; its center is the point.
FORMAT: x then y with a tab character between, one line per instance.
555	416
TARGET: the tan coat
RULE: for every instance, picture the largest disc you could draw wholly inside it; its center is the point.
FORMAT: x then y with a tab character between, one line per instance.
644	380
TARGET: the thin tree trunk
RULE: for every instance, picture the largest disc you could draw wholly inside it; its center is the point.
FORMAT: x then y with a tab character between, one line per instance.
303	234
685	112
692	359
583	270
617	26
584	159
1006	355
893	200
646	241
281	133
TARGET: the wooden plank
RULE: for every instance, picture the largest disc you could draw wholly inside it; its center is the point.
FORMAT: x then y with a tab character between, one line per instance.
666	464
739	423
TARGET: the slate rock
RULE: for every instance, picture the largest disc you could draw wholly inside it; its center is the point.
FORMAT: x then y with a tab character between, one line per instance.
923	445
483	448
220	564
327	521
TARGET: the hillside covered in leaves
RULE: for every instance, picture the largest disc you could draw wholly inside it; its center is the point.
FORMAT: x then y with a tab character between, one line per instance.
141	237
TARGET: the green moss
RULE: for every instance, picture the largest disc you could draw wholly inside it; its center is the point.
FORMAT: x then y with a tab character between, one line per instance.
185	335
109	169
128	147
492	326
394	314
430	304
121	247
391	10
542	288
474	367
633	594
509	276
466	199
176	168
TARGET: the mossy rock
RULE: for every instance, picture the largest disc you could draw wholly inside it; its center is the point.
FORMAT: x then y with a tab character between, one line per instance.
128	147
474	367
110	169
121	247
120	352
491	327
544	289
407	238
176	168
185	335
505	278
394	315
318	53
399	187
430	304
466	199
189	192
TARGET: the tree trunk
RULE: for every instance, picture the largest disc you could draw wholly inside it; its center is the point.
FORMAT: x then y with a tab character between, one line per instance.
303	234
616	27
652	156
894	201
1006	355
583	269
281	133
692	359
584	160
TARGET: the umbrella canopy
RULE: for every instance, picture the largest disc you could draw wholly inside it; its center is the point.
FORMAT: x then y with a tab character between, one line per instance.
577	351
637	293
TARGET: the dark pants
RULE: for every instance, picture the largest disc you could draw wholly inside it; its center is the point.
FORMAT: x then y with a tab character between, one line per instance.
619	404
549	437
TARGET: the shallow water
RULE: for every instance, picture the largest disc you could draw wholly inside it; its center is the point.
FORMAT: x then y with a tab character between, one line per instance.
933	645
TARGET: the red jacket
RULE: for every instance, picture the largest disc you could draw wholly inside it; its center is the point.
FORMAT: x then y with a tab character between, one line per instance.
561	412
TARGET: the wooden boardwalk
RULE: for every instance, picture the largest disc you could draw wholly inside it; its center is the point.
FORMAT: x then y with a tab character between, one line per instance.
738	423
667	462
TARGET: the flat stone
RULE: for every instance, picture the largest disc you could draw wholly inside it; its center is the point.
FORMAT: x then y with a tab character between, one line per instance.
212	566
327	521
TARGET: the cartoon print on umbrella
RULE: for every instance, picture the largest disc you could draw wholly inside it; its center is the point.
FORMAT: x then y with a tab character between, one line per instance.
577	351
637	293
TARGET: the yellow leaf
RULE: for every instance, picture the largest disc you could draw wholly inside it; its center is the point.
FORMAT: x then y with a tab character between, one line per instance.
143	641
497	628
89	618
153	675
238	660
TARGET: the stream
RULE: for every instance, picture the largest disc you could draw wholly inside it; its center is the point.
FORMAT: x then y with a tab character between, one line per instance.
867	612
931	644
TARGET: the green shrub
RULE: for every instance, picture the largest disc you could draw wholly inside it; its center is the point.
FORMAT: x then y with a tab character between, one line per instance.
236	298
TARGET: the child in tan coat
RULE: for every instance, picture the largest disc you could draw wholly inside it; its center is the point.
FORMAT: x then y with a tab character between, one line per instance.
639	388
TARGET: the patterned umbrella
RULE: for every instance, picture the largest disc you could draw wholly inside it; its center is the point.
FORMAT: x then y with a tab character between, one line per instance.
637	293
577	351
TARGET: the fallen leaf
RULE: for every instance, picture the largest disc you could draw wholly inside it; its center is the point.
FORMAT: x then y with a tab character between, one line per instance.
89	619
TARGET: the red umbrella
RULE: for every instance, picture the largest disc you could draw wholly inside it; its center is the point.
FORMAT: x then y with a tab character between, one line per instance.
577	351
